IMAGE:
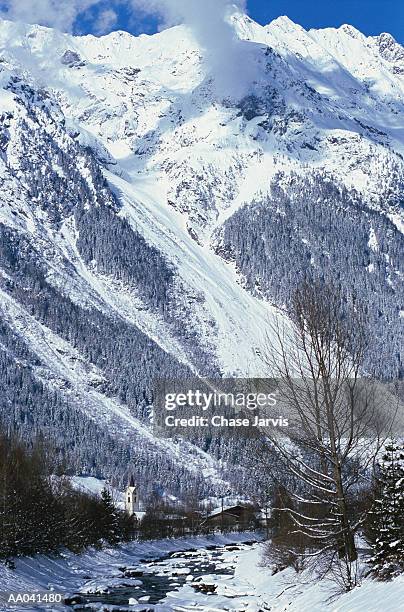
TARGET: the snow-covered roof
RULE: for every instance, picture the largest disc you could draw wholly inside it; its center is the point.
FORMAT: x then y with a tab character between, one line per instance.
224	509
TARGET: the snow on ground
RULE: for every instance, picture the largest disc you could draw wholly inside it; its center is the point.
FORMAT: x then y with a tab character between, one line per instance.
287	590
240	317
235	578
70	573
253	588
94	486
194	576
111	295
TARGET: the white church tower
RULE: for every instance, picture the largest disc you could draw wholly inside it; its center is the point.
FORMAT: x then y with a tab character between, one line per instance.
132	501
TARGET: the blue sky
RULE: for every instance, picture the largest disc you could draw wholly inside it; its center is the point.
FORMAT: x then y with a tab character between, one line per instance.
370	16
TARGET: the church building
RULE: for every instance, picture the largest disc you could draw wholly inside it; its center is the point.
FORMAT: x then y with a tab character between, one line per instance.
132	500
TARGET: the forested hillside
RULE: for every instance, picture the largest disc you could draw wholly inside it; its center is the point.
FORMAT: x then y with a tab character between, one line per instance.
156	218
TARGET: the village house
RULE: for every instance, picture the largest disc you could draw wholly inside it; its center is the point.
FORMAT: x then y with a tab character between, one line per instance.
232	517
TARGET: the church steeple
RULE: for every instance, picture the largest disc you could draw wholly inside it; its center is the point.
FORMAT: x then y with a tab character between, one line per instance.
132	500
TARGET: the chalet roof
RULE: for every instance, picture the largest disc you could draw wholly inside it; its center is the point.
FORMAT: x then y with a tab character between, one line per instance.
226	510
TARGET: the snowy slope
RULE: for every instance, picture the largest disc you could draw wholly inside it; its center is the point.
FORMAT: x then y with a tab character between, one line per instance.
123	145
148	102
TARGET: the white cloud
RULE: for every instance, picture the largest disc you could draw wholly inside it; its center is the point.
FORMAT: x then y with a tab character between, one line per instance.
224	53
60	14
105	21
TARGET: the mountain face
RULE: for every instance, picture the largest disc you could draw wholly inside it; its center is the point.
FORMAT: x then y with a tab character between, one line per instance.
152	224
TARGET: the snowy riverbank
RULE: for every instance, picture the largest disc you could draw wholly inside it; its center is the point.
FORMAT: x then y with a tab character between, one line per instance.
68	573
293	592
204	573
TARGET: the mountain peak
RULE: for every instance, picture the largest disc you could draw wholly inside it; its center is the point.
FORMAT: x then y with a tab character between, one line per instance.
391	51
283	20
350	30
285	23
387	38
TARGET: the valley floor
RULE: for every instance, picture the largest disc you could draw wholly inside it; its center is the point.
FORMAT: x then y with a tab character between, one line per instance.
211	573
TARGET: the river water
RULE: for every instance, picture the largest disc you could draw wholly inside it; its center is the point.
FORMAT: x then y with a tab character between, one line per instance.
153	583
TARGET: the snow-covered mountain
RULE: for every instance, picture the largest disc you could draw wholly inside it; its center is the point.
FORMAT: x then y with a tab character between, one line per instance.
155	214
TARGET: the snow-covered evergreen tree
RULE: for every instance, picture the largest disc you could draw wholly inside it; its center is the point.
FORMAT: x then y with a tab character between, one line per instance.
109	518
388	514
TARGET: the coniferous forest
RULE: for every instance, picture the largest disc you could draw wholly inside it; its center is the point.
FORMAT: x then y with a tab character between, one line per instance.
40	512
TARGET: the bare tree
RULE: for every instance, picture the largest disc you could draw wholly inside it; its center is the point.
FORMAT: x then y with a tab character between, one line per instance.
335	416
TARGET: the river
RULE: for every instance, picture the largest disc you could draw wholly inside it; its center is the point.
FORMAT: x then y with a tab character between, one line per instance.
199	579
